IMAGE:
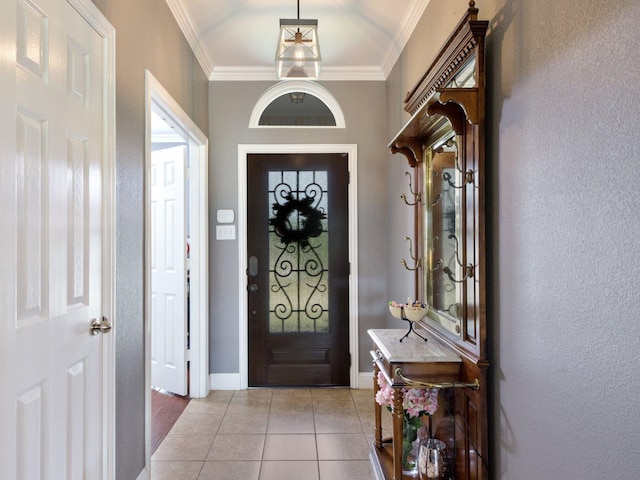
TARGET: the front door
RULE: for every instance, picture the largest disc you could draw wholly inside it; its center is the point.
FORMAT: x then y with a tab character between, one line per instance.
298	269
55	242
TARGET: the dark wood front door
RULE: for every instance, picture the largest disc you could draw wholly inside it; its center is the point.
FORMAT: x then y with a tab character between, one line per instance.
298	269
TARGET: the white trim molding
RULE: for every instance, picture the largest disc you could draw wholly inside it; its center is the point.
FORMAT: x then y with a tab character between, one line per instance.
365	380
303	86
225	381
328	74
231	381
94	17
352	152
158	98
405	30
187	24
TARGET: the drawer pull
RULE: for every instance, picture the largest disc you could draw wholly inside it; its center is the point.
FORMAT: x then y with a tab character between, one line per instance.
377	356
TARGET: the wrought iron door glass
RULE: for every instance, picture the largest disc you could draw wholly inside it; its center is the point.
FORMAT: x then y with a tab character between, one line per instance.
298	252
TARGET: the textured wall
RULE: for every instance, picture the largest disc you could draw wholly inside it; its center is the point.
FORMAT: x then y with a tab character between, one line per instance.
563	201
562	177
363	105
564	93
147	37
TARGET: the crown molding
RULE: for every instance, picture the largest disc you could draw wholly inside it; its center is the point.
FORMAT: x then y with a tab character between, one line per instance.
188	26
405	31
238	74
218	73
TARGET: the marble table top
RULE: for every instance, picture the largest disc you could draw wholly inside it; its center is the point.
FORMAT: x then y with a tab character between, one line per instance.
411	349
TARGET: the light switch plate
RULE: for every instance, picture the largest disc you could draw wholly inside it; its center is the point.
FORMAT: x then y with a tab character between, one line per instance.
225	232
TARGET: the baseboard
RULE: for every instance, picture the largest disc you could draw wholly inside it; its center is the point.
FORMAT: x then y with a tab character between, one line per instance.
365	380
224	381
231	381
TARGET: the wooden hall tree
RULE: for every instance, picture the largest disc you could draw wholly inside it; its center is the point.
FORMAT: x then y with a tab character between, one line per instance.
443	143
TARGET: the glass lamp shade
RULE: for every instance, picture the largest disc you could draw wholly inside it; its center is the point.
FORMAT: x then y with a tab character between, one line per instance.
298	53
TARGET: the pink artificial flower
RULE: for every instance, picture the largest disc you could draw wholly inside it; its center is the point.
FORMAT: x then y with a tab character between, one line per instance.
420	401
416	401
384	397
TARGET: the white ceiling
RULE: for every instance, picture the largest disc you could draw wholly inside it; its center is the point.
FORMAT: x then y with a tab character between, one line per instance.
236	39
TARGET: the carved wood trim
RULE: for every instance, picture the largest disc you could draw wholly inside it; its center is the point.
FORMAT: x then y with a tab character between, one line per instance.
453	111
459	46
411	148
467	99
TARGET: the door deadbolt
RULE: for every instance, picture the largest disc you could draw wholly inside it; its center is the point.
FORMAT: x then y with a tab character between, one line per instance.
98	327
253	288
253	266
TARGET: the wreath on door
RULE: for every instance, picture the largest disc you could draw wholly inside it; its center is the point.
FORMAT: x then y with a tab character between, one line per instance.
309	226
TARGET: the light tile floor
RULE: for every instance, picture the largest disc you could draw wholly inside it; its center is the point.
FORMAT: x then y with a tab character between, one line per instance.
271	434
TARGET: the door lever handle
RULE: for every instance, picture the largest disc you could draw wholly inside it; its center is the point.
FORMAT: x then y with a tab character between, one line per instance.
98	327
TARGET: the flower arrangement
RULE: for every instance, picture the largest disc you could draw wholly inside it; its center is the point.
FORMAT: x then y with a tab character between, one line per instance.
396	308
416	403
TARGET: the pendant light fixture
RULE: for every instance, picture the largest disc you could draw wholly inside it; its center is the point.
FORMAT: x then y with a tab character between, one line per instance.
298	53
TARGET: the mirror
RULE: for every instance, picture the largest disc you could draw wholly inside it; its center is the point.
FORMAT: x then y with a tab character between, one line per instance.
443	235
466	76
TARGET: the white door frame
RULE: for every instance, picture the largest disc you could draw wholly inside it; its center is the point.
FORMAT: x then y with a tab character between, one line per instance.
98	21
157	98
94	17
243	151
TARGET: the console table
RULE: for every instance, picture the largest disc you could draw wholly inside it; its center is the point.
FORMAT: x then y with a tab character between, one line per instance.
428	362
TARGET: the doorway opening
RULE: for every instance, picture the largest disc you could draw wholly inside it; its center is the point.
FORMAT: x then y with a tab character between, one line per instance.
176	246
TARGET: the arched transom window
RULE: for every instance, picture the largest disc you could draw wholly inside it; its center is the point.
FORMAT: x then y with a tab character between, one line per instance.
297	104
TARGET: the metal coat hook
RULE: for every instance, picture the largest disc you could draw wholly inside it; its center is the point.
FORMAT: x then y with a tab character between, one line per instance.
469	270
468	178
416	195
446	176
416	261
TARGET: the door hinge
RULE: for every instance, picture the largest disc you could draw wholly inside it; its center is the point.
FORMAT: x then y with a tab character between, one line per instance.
188	354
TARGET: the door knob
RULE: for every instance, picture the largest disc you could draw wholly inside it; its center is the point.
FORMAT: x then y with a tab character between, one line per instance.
98	326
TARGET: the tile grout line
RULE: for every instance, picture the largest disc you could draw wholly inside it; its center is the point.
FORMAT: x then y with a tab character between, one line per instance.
355	401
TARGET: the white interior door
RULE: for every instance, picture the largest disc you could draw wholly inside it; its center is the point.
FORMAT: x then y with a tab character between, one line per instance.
55	376
168	270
